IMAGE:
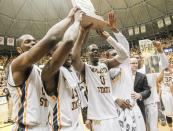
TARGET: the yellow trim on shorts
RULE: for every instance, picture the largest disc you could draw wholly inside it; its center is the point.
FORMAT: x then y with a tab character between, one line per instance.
59	114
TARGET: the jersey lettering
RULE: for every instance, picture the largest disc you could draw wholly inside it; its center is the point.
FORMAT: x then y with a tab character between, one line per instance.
43	100
102	80
75	100
104	89
167	78
99	71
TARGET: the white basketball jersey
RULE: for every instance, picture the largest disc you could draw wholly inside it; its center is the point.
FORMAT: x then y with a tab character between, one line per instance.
30	106
67	108
100	101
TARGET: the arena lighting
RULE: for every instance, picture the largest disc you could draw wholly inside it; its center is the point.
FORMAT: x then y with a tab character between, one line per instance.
143	28
130	30
136	30
167	20
160	23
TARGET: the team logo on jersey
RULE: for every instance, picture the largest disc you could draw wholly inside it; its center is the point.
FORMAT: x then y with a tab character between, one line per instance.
99	71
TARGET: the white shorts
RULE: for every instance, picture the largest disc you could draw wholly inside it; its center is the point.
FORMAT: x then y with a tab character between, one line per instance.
151	111
167	100
32	128
106	125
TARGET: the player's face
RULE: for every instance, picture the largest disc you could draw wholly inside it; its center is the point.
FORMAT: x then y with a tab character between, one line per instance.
93	53
27	43
134	64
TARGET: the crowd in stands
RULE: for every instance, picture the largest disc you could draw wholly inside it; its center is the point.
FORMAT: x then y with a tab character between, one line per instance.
166	43
3	61
2	83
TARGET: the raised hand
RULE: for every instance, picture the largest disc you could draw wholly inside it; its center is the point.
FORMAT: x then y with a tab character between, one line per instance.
72	13
103	33
112	21
86	29
78	15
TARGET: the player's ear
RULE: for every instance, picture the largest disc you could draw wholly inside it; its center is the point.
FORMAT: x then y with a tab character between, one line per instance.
19	50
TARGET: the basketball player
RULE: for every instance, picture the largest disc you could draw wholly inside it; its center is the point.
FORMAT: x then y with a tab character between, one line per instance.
101	107
24	81
151	103
62	86
122	81
165	90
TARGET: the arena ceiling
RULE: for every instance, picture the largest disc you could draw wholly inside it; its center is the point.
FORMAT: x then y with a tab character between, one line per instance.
37	16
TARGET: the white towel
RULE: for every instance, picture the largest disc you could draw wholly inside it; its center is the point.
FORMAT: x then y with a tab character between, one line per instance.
73	83
126	119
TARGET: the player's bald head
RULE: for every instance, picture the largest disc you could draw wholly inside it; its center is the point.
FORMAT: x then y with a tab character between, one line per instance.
22	38
90	47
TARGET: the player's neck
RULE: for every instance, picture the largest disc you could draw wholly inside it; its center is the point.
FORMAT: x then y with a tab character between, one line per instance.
67	67
94	63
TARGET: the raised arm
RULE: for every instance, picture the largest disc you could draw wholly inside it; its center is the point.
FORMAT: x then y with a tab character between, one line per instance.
122	53
52	37
158	82
119	36
76	51
50	72
163	59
